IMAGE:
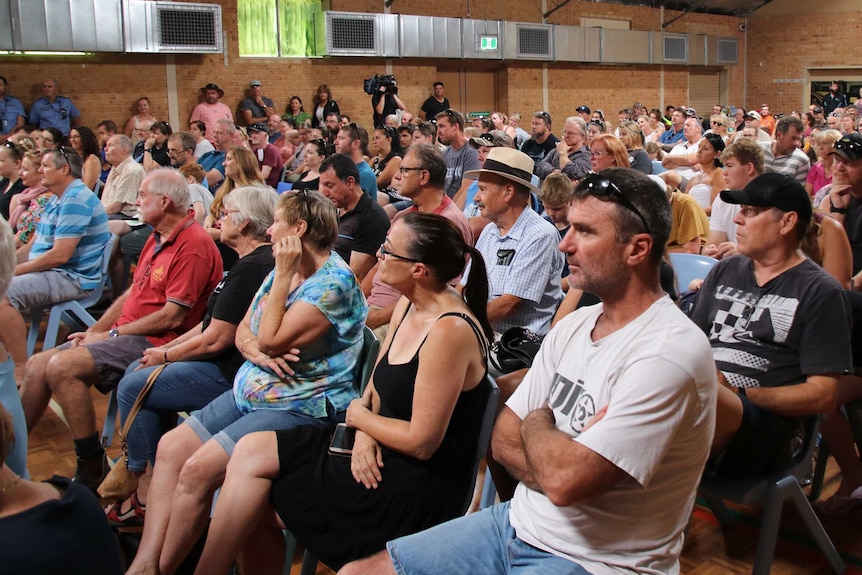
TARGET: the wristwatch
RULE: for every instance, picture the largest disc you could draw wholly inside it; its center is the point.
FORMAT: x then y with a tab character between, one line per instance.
114	333
835	210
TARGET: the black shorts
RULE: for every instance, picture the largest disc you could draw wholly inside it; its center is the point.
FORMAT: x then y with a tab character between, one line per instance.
764	442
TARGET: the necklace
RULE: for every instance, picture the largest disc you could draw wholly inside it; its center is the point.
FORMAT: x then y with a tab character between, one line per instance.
3	490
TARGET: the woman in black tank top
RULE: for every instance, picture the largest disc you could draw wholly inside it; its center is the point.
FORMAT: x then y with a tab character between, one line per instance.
416	424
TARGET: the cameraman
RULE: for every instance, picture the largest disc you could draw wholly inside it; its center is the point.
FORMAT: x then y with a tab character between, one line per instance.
385	102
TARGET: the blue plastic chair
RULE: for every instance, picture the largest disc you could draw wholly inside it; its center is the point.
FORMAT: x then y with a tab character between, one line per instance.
690	267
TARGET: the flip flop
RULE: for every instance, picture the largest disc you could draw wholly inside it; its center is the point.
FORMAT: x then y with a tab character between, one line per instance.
838	505
132	517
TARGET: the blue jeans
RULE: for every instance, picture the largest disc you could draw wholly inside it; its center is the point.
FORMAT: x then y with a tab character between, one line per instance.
483	542
182	386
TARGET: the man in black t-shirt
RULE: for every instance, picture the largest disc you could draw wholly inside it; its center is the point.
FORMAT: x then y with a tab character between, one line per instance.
434	104
362	223
779	329
542	142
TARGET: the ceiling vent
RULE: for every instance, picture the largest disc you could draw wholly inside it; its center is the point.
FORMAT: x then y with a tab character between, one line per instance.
355	34
529	41
172	27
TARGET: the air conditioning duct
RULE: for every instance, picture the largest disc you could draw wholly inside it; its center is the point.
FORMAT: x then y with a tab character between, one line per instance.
483	39
66	25
528	41
430	37
356	34
576	44
697	49
626	46
172	27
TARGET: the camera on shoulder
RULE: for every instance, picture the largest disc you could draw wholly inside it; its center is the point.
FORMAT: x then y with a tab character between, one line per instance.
373	84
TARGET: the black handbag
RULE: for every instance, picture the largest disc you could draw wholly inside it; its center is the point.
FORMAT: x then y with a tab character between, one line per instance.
515	350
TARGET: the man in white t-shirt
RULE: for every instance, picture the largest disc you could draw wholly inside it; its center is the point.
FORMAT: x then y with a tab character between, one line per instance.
609	431
743	161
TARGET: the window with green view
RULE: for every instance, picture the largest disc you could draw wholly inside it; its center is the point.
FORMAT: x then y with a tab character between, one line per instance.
276	27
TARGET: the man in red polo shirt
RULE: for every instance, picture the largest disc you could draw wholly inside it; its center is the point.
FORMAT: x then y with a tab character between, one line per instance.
178	269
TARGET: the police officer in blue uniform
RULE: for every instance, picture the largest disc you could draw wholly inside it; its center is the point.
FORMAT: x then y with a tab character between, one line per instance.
53	111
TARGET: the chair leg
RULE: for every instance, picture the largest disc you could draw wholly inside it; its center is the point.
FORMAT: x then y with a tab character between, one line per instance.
803	507
289	551
769	524
110	419
489	491
309	564
719	509
52	330
819	472
33	334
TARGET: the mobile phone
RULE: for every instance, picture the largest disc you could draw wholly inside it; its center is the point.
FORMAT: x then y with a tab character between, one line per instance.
342	440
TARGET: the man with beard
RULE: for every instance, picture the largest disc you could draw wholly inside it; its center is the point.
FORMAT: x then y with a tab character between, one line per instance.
542	142
211	110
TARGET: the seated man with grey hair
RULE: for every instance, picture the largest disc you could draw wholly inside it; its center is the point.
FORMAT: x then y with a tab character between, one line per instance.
63	261
178	269
124	179
571	155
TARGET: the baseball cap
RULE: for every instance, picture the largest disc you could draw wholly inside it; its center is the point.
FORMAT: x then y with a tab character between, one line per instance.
254	83
753	115
775	191
849	147
490	139
583	109
259	127
691	113
818	110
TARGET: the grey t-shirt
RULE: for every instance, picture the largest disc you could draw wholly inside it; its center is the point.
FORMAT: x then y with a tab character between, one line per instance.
458	162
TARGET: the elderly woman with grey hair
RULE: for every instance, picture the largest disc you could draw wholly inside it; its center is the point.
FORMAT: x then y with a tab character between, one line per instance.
202	363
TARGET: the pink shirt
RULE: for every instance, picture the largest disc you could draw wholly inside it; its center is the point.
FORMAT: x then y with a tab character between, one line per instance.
209	114
383	295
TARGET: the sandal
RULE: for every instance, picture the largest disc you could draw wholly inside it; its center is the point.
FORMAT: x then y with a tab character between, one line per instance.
838	505
132	517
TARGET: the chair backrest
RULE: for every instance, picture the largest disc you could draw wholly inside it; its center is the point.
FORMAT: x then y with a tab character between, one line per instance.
488	417
690	267
94	296
370	349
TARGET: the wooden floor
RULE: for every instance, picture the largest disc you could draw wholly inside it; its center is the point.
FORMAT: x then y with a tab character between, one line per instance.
708	549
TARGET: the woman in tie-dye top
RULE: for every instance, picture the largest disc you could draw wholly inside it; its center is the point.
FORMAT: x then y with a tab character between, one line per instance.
302	359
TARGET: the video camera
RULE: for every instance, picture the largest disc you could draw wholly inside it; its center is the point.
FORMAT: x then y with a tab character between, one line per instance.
373	84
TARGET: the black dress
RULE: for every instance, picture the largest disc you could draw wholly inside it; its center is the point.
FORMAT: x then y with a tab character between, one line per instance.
338	519
309	185
6	196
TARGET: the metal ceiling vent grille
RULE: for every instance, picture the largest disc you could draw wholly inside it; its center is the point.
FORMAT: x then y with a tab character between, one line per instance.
535	42
675	48
353	34
188	27
726	51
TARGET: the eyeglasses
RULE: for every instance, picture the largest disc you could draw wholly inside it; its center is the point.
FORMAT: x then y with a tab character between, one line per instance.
598	154
62	151
174	152
404	169
601	187
834	115
386	253
223	213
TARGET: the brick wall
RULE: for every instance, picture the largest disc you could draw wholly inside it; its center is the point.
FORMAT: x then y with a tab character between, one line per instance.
785	49
106	86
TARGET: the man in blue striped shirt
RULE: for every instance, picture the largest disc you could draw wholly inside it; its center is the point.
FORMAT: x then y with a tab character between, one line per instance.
63	261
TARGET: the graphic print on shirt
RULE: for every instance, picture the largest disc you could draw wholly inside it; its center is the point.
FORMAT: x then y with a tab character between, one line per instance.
749	319
568	398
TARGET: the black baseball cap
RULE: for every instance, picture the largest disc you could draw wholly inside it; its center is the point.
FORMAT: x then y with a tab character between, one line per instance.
583	109
849	147
259	127
775	191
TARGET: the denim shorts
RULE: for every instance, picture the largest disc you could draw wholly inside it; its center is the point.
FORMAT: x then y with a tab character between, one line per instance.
222	421
483	542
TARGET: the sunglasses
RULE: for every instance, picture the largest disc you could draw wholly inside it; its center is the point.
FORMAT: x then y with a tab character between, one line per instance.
850	146
600	187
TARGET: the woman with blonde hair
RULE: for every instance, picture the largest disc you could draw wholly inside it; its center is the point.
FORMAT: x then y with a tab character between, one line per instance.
26	208
607	151
240	170
322	105
820	173
719	125
631	137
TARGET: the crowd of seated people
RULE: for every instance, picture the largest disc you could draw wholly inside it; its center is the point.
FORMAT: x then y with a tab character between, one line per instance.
196	202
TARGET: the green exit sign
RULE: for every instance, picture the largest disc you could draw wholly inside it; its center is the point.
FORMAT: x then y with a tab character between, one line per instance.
488	43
